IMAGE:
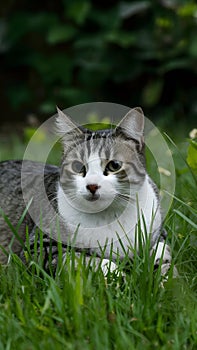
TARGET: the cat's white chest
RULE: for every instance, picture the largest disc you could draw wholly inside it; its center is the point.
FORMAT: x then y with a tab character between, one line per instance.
102	229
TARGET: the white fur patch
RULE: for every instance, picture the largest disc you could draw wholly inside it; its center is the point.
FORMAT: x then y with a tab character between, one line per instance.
103	228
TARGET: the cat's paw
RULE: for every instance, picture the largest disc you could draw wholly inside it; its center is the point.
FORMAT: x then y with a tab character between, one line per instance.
163	257
109	266
165	268
162	251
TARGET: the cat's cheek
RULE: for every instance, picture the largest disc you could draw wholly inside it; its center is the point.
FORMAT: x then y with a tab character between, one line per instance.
110	183
80	185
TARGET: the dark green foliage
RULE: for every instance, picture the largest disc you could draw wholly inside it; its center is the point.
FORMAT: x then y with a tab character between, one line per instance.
70	52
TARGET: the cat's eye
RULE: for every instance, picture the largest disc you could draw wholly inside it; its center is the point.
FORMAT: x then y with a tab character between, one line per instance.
78	167
113	166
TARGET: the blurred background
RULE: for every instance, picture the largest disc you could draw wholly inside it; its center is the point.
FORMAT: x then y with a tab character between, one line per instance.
68	52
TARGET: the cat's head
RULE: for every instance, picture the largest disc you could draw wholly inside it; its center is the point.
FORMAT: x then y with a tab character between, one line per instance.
102	168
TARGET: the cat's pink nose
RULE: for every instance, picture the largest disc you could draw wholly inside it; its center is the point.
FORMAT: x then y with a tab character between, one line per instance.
92	188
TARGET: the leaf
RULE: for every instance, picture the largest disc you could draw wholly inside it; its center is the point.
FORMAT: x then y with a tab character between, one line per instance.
130	9
30	131
61	33
78	11
122	38
187	10
79	288
193	47
55	294
192	223
177	63
152	92
192	155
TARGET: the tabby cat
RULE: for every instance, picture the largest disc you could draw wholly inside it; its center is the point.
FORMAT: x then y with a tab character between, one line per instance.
101	194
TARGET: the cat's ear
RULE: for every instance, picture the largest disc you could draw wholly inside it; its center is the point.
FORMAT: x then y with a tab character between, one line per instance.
65	125
132	125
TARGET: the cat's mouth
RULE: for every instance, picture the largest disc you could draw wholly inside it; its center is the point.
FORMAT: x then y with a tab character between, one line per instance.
93	197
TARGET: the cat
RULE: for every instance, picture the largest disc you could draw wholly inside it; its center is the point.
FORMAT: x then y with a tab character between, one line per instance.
101	194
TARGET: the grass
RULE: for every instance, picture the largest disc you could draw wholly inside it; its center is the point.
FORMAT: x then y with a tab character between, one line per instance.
80	309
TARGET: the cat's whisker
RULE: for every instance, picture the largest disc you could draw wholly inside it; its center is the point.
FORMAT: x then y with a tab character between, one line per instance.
52	198
125	196
71	196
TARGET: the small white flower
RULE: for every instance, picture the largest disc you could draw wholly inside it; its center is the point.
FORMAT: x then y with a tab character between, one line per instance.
193	134
164	171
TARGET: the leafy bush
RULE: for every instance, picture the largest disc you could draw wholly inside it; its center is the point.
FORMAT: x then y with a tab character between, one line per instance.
70	52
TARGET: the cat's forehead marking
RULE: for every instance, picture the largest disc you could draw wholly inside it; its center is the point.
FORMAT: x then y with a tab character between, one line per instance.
94	164
97	142
104	144
99	134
